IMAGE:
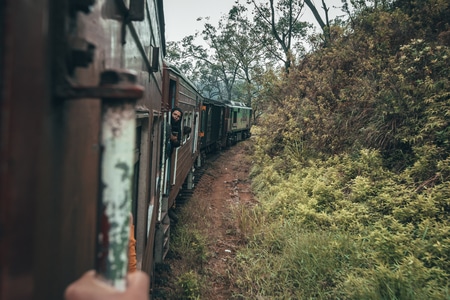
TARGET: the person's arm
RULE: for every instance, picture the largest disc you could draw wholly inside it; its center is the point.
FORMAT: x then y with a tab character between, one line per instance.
175	139
176	142
90	287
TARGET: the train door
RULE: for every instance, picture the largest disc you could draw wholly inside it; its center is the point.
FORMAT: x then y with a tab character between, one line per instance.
227	126
170	175
196	130
162	232
208	124
235	117
141	186
146	229
222	113
166	155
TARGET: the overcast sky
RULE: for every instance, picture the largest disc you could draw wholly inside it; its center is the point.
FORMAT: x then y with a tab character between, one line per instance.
181	15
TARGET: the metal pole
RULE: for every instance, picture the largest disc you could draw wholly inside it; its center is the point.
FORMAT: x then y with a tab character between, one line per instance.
118	126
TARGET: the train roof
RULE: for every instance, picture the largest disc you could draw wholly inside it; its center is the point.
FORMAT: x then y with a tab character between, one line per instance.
177	71
238	104
234	104
214	101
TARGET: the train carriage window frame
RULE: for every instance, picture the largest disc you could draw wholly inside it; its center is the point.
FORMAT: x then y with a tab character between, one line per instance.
187	122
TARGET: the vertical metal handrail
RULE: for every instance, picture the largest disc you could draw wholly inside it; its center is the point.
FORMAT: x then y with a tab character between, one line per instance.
117	141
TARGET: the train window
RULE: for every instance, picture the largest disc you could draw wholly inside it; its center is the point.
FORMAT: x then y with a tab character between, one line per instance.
187	122
172	92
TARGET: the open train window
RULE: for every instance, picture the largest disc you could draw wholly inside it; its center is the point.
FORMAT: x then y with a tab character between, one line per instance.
187	122
172	92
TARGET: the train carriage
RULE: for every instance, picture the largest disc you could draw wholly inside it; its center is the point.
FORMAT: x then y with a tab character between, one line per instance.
224	124
212	128
238	122
70	71
85	101
177	168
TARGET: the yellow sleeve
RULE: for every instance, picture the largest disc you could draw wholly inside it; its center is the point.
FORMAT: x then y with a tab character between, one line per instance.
132	251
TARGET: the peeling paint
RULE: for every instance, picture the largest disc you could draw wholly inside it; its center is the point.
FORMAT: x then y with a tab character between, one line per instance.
117	141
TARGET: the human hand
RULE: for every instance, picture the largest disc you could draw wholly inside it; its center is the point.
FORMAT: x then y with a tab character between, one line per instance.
91	287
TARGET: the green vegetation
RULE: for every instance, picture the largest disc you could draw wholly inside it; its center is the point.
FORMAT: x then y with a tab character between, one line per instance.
190	283
347	228
189	244
352	164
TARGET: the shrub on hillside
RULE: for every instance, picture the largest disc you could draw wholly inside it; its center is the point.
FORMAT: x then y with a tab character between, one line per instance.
400	235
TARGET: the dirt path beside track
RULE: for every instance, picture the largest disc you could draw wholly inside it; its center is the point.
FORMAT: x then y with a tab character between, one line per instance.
224	185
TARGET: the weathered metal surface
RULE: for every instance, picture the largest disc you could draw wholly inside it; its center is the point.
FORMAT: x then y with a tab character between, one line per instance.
49	161
23	144
118	134
117	162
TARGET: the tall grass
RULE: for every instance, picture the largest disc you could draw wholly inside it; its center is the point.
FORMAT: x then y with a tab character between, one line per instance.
283	261
341	228
344	228
189	251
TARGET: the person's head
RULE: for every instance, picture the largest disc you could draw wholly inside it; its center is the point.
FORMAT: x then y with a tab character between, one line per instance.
177	114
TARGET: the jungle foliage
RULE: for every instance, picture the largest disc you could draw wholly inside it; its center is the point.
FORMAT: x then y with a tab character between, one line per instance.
352	164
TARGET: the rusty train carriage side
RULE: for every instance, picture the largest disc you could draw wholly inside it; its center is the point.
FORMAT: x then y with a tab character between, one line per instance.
144	48
56	141
136	46
50	141
179	168
186	97
27	151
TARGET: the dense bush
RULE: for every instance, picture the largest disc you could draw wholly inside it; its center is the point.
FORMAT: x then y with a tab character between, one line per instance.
352	166
348	228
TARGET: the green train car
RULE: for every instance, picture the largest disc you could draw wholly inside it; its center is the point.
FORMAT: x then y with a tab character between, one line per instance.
238	122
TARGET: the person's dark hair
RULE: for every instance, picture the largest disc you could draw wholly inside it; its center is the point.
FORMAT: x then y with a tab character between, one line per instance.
179	109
